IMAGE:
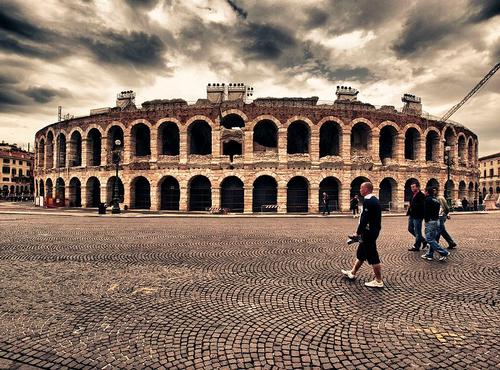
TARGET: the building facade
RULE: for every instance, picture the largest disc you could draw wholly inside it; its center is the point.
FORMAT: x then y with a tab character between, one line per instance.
271	154
16	180
489	176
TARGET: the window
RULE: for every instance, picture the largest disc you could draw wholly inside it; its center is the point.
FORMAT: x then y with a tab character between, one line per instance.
6	170
484	173
20	172
491	172
28	173
6	160
14	172
13	161
6	179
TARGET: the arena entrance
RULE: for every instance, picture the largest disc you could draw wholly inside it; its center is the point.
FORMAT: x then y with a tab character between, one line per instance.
330	186
170	194
387	194
408	192
232	194
75	192
200	194
265	193
93	192
297	195
355	184
141	193
111	189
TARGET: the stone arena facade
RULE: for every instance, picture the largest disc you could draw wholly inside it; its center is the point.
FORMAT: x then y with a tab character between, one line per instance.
270	154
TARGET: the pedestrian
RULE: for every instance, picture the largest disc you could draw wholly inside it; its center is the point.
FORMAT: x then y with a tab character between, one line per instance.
465	204
431	217
444	211
370	223
325	200
354	206
415	215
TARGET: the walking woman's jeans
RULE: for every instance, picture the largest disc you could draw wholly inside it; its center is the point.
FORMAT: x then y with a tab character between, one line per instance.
415	229
431	233
443	232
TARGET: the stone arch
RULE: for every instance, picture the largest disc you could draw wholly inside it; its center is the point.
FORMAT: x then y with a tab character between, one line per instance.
49	186
238	112
168	137
412	142
432	145
115	131
298	137
199	137
75	192
93	187
263	117
462	149
361	136
169	193
450	139
265	192
462	188
294	119
233	118
470	151
49	152
432	182
407	189
199	193
41	153
355	184
297	194
41	188
332	187
140	191
388	194
388	135
60	191
232	194
449	188
75	148
94	143
330	139
265	136
140	139
111	189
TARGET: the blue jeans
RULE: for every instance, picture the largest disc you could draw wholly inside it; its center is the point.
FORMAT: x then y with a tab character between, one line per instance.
415	229
431	233
443	232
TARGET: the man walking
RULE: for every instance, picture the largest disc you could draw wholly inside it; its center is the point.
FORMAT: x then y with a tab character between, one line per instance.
444	211
431	216
416	215
325	200
368	231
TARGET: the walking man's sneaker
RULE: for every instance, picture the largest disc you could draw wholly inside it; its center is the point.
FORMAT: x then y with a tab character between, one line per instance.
348	274
375	284
413	249
443	258
452	246
426	257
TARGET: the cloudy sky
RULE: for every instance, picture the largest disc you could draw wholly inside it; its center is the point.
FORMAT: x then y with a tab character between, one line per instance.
80	53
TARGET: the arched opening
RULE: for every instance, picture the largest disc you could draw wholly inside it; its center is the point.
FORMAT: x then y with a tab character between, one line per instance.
60	192
141	140
50	151
232	194
75	192
490	191
329	139
432	183
498	190
232	120
41	189
388	194
408	192
200	193
94	147
140	190
360	136
450	140
387	142
265	137
471	191
462	150
169	194
355	184
484	192
93	192
265	193
49	185
200	138
110	190
231	148
449	187
75	149
297	195
462	190
61	151
168	139
431	146
298	138
330	186
470	152
114	133
5	190
41	154
412	138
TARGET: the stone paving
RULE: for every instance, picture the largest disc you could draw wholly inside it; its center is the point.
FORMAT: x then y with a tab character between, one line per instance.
189	293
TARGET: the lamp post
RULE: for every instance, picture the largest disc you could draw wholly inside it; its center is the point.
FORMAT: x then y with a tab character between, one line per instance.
447	158
116	190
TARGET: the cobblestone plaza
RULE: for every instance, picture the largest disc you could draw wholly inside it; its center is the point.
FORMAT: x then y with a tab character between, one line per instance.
238	292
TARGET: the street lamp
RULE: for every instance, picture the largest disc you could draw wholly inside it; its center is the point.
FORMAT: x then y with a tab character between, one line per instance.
448	160
116	190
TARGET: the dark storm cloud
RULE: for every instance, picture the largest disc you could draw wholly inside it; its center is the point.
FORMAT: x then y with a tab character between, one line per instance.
139	49
44	94
265	41
144	4
316	18
13	21
237	9
484	10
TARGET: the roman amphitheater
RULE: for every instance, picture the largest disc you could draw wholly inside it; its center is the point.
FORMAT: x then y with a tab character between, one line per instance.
269	154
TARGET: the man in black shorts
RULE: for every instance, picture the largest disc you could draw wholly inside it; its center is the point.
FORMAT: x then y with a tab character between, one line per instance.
368	230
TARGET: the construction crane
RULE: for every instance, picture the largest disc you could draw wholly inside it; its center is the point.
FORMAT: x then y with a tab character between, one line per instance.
472	92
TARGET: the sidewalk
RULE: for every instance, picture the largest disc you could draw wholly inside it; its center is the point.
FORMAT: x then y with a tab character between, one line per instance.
30	209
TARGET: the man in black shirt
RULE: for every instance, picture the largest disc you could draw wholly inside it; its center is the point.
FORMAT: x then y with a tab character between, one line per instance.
431	216
416	215
368	230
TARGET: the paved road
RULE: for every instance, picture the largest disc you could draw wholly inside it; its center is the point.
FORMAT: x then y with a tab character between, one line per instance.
84	292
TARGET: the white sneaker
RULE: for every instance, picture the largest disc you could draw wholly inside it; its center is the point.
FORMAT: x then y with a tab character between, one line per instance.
348	274
375	284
